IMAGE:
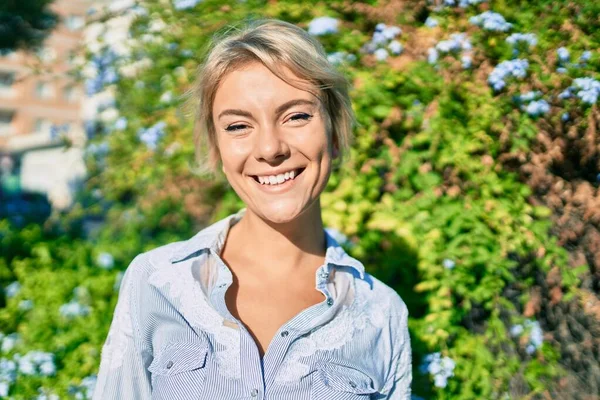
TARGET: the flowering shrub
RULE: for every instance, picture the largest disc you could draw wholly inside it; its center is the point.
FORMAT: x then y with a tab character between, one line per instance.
465	190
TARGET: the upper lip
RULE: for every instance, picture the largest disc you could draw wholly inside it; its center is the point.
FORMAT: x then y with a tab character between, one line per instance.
280	171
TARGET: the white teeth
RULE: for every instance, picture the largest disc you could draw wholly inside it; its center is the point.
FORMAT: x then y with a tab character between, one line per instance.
276	179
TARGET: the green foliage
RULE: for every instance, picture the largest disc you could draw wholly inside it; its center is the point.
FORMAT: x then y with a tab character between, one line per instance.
25	24
424	200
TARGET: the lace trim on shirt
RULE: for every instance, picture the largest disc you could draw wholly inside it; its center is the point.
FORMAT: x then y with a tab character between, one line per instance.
332	336
119	334
181	286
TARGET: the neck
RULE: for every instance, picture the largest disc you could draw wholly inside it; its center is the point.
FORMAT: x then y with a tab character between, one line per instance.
284	246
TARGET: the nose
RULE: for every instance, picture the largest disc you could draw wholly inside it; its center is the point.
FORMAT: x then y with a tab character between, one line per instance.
270	145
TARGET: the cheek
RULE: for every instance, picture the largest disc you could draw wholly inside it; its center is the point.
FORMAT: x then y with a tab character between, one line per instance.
234	153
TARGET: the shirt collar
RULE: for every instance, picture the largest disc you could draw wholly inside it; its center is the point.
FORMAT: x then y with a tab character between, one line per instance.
213	238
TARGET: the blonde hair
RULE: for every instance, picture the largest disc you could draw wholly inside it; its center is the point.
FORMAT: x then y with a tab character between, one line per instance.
275	44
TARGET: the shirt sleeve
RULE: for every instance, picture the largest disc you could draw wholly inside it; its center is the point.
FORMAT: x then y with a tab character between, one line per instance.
400	378
123	370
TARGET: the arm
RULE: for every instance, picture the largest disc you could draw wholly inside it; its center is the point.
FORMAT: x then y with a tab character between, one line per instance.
400	377
123	367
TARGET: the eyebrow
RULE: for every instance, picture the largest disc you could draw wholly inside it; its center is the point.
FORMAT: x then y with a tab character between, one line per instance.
278	111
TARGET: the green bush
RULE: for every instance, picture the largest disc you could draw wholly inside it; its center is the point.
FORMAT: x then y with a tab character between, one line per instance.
425	200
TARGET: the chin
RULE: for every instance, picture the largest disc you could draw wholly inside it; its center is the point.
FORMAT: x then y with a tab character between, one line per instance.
280	213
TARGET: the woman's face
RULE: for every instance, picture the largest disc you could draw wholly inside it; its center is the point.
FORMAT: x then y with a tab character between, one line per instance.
267	130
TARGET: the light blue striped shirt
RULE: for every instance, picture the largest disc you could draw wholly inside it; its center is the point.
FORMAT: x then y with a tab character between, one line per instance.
172	336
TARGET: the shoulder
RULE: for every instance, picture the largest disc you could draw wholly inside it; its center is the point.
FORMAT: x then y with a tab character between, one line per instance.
148	262
381	296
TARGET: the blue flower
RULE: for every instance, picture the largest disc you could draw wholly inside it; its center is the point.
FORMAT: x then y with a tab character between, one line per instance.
466	3
9	342
441	368
25	305
516	330
565	94
586	56
388	32
491	21
395	47
110	76
85	390
185	4
100	149
431	22
456	43
105	260
563	54
339	57
528	38
151	136
322	26
36	363
462	3
46	395
537	107
511	68
12	289
536	336
4	388
121	124
381	54
74	309
448	263
588	89
565	117
530	96
432	55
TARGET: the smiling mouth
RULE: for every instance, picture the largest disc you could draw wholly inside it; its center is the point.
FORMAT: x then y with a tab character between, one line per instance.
286	178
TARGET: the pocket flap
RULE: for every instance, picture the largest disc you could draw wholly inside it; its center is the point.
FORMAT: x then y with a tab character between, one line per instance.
181	356
346	379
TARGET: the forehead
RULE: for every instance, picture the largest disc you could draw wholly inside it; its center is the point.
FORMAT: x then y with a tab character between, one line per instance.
254	85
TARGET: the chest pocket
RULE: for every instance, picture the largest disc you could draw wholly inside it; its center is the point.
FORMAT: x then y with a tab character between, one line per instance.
179	370
338	382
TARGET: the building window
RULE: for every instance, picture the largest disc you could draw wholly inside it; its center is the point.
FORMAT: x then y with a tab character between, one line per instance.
72	94
74	22
7	79
42	125
6	117
44	90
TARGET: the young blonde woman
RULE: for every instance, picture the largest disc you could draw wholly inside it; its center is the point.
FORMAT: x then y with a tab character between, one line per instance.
263	304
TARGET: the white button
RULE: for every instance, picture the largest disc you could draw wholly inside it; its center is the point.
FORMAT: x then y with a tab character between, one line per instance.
284	333
324	274
169	364
222	285
352	385
329	301
254	392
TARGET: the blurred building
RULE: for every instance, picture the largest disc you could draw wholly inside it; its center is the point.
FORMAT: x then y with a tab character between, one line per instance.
41	102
